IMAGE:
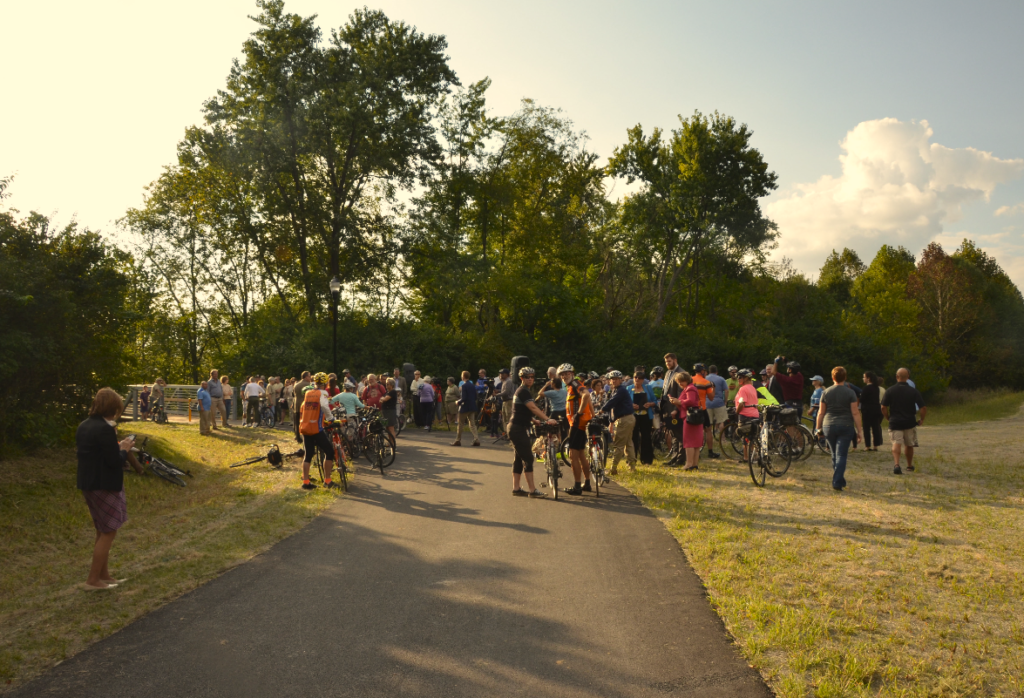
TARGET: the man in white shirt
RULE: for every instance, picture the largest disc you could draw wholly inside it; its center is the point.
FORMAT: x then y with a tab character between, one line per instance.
414	390
253	392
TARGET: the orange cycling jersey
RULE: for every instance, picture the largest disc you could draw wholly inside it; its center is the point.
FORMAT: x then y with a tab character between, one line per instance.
705	390
572	406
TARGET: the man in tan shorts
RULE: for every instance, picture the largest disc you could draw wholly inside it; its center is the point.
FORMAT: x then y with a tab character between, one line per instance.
900	406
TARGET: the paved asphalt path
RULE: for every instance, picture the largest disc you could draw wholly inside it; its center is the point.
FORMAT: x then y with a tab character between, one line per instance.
435	581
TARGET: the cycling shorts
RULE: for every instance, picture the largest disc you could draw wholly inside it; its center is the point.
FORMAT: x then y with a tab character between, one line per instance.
577	438
321	441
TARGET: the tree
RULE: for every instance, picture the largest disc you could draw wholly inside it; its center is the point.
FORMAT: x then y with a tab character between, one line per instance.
839	272
323	127
946	293
700	198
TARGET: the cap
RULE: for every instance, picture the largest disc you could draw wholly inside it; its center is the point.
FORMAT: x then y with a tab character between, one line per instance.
818	378
504	371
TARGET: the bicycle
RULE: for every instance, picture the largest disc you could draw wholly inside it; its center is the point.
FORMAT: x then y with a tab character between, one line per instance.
341	466
267	418
552	434
821	442
770	446
377	443
160	467
157	414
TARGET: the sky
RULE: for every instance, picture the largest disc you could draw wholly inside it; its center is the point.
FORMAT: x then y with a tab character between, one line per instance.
894	123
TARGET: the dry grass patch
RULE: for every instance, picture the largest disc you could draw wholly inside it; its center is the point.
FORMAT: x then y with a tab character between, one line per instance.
175	539
900	586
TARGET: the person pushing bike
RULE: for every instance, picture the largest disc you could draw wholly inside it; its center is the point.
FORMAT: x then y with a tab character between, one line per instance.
523	409
579	412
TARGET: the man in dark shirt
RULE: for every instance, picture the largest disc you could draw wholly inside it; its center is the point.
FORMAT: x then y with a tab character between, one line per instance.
620	406
772	382
900	405
791	381
467	411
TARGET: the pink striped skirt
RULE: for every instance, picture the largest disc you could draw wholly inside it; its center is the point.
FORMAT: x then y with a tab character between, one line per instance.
109	509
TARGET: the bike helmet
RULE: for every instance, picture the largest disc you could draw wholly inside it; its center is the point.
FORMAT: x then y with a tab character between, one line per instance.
526	372
764	372
657	371
697	368
592	375
794	365
743	372
614	374
566	368
320	377
733	369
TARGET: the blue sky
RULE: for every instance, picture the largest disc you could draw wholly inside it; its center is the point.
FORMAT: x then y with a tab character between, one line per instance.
97	95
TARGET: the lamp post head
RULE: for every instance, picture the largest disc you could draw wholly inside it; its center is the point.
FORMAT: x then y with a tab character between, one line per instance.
335	286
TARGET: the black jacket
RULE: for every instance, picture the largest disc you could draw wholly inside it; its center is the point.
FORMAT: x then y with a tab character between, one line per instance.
100	459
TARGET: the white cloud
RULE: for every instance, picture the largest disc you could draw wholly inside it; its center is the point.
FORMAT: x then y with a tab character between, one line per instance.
1010	210
896	187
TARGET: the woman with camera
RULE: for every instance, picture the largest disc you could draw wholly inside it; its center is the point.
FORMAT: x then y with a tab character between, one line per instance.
101	460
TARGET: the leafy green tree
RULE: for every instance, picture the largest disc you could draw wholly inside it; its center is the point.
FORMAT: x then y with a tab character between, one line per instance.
839	272
700	198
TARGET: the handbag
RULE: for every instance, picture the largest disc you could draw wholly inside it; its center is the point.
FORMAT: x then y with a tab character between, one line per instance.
694	415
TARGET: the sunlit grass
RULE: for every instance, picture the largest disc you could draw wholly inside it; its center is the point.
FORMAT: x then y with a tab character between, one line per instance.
961	406
899	586
175	538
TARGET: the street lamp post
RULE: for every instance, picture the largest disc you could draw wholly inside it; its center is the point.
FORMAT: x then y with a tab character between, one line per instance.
335	292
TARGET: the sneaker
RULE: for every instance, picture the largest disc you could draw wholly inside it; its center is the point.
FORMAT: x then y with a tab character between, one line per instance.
308	486
587	487
536	494
712	454
520	493
332	485
576	489
896	470
456	443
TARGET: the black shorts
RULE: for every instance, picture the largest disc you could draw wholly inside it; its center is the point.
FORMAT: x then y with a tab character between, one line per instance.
577	438
317	441
707	419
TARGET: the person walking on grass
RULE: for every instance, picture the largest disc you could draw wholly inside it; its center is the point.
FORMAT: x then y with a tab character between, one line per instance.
467	411
101	460
620	407
900	406
871	411
205	402
839	420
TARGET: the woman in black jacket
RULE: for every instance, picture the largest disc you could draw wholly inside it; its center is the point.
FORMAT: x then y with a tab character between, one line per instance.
871	411
101	478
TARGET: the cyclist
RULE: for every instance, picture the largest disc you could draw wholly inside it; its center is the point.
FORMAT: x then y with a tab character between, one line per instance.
348	399
315	412
718	413
733	386
579	410
556	392
746	398
523	409
792	384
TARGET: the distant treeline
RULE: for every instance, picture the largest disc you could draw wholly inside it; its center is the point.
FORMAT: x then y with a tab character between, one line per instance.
460	239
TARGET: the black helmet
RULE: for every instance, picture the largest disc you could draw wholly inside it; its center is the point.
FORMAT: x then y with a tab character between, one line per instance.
697	368
793	365
657	371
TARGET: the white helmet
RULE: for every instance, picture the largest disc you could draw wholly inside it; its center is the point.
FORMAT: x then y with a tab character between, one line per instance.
566	368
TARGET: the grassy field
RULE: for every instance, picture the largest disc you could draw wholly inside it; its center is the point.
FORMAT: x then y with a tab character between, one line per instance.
175	538
899	586
960	406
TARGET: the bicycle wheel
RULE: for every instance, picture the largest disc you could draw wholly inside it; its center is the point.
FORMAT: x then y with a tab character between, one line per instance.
166	472
339	462
401	424
370	449
730	435
779	454
318	458
563	452
807	445
756	463
596	468
388	444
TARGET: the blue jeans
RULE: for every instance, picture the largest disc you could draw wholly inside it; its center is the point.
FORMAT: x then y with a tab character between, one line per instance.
839	438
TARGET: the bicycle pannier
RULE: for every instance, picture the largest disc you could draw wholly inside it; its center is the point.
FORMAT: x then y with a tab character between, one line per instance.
789	417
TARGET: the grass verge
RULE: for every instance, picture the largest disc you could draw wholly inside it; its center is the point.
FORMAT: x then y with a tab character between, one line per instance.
899	586
175	539
962	406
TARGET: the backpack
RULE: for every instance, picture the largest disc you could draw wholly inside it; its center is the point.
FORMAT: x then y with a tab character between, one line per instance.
309	421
